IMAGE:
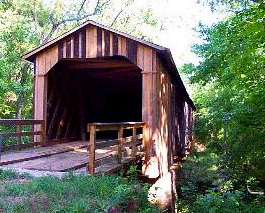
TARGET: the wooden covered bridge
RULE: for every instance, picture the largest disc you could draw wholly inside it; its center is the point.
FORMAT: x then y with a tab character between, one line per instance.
107	92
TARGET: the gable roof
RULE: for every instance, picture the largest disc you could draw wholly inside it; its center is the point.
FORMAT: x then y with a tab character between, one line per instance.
30	55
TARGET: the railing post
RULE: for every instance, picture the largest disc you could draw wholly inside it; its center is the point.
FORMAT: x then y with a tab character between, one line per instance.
43	133
120	140
91	164
18	130
134	142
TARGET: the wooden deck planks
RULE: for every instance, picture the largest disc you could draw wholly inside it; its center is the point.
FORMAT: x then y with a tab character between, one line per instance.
60	158
30	154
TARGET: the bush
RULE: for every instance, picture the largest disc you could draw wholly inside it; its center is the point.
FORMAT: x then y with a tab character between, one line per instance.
205	187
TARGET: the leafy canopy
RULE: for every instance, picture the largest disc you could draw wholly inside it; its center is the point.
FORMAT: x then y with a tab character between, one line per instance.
229	90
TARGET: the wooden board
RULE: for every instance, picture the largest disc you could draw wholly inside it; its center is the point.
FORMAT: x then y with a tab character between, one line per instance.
29	154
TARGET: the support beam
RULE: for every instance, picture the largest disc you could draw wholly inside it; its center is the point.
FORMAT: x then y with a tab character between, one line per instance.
62	122
149	109
134	139
40	104
91	165
120	142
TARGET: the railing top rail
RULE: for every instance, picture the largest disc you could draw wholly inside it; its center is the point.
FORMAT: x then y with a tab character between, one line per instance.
114	126
19	121
119	123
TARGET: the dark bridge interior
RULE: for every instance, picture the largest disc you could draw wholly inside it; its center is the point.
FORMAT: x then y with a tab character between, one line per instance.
82	91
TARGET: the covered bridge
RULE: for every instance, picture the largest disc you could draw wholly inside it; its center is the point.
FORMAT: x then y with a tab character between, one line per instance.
94	74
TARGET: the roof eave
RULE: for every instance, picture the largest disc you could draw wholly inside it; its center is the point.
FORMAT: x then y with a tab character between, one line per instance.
174	72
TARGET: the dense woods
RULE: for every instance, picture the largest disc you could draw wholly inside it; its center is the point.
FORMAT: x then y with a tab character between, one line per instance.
229	91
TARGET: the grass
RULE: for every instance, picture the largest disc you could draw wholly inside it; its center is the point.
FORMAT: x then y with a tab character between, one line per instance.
106	193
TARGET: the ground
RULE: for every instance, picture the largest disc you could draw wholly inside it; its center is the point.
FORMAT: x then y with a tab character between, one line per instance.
72	193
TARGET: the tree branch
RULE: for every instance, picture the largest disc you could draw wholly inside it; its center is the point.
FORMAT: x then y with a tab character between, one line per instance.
81	7
116	17
78	17
254	193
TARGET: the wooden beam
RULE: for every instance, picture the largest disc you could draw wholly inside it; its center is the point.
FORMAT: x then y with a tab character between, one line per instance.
107	43
83	43
14	122
67	130
62	122
54	118
99	42
76	45
120	140
20	134
91	164
79	64
115	44
134	140
43	133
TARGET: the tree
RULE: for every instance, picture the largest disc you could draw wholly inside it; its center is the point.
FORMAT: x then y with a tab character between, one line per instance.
230	88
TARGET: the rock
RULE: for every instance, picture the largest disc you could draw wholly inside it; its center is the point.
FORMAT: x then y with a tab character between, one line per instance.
160	193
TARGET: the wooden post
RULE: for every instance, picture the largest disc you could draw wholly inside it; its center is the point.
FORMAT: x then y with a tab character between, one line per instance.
91	165
18	130
40	102
120	140
134	143
43	133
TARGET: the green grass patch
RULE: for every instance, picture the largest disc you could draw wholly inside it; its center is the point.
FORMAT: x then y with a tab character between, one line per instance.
73	194
10	174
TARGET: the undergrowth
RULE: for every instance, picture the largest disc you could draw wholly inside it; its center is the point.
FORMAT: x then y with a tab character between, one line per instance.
206	187
105	193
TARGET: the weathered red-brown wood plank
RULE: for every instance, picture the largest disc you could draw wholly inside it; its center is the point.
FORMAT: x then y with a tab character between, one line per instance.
115	44
76	45
83	43
19	134
91	47
107	43
25	155
14	122
68	48
99	42
132	50
124	46
60	50
111	44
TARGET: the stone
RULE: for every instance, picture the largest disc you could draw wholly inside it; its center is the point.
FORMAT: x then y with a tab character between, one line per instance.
160	194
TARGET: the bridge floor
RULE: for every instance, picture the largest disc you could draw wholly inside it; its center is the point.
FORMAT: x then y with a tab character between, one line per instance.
61	157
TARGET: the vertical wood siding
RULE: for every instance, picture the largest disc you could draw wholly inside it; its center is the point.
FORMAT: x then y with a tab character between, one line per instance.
91	42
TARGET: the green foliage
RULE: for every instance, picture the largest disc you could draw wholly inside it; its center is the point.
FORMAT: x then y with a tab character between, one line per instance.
199	174
205	187
229	91
232	5
229	94
76	194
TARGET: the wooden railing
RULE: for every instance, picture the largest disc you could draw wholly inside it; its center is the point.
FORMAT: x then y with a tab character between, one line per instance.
13	133
120	142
